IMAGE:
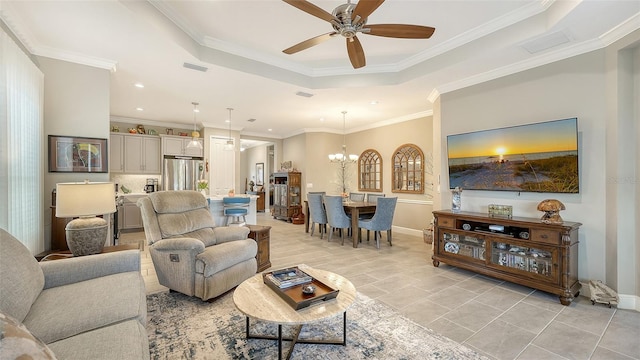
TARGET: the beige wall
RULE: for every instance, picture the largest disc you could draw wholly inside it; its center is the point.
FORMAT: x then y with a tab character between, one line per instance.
76	103
309	154
582	87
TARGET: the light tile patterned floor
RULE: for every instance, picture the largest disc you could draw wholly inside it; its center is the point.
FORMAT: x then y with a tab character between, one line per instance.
500	319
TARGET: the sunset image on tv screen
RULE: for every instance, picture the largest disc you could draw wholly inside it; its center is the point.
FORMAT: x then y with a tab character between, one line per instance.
540	157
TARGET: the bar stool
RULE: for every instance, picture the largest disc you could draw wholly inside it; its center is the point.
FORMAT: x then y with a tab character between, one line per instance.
235	207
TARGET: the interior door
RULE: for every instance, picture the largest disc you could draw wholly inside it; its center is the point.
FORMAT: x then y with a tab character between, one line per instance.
222	167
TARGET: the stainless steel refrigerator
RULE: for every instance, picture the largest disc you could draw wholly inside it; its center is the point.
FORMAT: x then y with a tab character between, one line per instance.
181	172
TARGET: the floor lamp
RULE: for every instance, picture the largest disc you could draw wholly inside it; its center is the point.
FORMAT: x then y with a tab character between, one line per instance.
87	234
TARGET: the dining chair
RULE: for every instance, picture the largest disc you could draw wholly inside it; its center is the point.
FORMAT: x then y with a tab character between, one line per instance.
235	207
336	217
359	197
372	198
382	219
318	215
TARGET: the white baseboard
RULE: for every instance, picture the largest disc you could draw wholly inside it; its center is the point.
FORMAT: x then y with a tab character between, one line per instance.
406	231
629	302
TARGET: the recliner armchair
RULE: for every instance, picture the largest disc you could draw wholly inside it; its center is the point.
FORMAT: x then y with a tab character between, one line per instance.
190	254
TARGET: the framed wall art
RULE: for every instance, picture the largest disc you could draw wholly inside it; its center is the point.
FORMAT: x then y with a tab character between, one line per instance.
259	173
78	154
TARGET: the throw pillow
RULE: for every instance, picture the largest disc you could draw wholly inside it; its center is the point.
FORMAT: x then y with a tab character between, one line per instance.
16	342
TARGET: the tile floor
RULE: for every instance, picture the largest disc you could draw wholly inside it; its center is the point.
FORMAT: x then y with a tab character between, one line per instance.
499	319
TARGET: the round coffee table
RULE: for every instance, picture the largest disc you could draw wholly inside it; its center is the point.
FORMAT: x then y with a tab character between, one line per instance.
256	300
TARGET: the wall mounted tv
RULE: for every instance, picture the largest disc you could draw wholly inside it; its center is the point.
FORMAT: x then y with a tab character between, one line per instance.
540	157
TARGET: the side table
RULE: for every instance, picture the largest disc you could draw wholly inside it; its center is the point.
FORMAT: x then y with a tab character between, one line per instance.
66	254
261	234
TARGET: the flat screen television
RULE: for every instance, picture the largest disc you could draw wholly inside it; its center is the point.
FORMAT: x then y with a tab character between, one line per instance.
540	157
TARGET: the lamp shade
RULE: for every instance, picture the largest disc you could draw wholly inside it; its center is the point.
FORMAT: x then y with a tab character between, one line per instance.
85	199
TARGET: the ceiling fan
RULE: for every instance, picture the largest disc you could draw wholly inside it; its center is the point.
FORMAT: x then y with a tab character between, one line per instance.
350	19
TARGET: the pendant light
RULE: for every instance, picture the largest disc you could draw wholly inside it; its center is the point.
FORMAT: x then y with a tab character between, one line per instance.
195	135
342	157
229	146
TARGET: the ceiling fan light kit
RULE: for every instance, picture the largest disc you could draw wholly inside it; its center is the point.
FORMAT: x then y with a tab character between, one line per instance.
350	19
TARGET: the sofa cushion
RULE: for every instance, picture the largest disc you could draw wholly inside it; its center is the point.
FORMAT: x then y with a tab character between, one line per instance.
16	342
21	278
217	258
173	202
172	225
127	340
64	311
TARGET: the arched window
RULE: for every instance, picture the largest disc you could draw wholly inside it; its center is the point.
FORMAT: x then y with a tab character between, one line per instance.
407	174
370	171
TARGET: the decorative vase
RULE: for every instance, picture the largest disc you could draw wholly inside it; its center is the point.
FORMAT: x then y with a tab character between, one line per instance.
456	200
204	193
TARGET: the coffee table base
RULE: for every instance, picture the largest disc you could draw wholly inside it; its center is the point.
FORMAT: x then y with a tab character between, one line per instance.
295	340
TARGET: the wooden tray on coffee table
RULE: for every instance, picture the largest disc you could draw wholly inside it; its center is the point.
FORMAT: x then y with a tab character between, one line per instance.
297	299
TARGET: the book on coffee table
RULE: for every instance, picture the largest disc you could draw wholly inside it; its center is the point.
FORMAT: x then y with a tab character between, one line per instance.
289	277
294	295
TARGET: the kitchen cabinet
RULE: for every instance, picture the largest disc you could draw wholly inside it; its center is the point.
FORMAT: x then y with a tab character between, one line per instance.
116	153
131	215
142	154
177	146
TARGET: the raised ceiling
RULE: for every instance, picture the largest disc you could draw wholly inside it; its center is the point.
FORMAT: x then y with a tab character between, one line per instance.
240	43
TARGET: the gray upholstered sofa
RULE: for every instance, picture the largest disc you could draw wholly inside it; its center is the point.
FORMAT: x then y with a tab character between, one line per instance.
89	307
190	254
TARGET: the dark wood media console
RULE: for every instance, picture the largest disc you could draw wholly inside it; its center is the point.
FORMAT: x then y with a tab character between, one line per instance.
524	251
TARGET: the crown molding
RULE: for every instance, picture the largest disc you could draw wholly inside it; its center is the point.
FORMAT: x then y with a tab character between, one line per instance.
506	20
478	32
630	25
544	59
392	121
75	58
434	95
130	120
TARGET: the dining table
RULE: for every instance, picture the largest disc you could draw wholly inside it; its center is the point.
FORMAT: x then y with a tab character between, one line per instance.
353	209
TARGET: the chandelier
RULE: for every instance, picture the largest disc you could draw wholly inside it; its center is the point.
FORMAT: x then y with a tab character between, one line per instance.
229	145
342	157
194	143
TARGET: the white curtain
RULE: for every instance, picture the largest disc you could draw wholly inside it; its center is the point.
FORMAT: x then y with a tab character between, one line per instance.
21	145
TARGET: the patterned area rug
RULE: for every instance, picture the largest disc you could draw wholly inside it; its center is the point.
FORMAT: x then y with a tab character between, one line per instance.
182	327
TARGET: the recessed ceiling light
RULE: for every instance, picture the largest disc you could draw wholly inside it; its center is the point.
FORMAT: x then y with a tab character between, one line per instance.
227	121
269	130
139	85
196	110
321	119
373	102
139	109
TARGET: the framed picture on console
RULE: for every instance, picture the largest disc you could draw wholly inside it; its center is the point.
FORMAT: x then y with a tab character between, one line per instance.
78	154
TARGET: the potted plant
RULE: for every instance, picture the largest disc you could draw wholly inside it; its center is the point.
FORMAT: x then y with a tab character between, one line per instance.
203	185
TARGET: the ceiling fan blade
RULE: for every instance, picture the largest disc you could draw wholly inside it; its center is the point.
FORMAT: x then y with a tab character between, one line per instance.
364	8
309	43
356	54
309	8
400	31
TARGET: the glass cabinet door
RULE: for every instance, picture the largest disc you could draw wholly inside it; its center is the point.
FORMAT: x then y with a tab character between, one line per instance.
463	245
536	261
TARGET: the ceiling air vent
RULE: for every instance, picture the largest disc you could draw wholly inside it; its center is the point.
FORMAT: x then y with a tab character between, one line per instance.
195	67
251	120
304	94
